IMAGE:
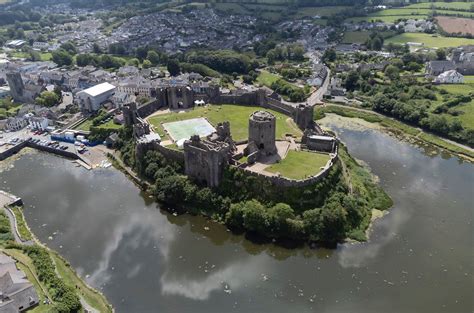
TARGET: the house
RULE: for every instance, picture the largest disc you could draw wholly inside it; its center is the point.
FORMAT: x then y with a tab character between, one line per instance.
16	123
17	294
38	122
434	68
463	58
17	43
449	77
39	45
319	75
91	99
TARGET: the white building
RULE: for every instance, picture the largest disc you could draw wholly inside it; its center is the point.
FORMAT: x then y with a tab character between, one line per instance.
450	77
92	98
38	122
4	92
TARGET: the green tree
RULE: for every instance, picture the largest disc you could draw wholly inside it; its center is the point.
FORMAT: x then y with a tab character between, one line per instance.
69	47
48	99
173	67
329	56
147	64
441	54
351	80
62	58
392	72
153	57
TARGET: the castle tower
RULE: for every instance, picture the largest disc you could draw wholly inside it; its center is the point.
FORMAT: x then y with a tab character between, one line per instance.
303	116
17	87
262	129
129	111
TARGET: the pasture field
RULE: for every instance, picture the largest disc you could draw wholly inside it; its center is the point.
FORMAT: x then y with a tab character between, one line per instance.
466	6
419	11
237	115
430	41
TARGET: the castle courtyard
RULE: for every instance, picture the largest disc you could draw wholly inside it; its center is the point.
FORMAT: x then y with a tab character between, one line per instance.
237	115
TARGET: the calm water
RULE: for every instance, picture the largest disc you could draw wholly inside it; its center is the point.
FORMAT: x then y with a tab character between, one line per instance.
419	259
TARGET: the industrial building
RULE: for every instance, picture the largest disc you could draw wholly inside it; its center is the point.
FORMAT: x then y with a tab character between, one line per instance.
91	99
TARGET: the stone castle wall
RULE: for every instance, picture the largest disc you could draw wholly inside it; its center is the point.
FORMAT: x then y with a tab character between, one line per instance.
150	107
279	106
285	182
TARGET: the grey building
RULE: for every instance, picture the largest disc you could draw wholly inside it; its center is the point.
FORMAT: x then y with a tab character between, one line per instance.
17	294
434	68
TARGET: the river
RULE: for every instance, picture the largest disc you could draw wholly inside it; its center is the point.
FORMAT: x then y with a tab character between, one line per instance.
419	257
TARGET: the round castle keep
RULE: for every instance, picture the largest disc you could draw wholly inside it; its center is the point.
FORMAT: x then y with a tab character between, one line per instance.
262	128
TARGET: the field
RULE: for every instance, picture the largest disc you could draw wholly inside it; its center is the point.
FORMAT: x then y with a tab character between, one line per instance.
87	124
444	5
467	118
299	164
419	11
45	56
276	10
185	129
453	25
238	117
266	78
321	11
430	41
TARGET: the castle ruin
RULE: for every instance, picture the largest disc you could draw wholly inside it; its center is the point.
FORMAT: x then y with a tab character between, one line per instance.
262	134
205	160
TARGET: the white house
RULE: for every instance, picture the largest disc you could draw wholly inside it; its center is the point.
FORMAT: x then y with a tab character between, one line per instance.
38	122
449	77
92	98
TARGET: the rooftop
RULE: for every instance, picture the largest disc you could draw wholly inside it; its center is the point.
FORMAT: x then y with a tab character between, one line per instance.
99	89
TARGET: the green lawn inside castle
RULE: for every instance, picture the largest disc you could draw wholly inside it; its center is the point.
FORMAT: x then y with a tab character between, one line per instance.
275	175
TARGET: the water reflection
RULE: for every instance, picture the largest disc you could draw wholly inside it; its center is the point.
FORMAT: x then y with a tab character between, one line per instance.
147	260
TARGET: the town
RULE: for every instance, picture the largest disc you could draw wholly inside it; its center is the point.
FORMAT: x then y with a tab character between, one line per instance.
215	109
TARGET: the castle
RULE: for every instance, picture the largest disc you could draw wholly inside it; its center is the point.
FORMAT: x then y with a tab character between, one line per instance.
205	159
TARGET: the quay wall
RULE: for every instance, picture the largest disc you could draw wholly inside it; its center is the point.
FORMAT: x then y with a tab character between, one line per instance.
15	149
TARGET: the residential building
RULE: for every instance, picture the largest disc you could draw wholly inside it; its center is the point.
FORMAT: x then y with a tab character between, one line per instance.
450	77
17	294
434	68
16	123
38	122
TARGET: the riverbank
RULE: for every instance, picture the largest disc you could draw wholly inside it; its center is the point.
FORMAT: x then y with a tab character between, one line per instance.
326	212
32	255
399	129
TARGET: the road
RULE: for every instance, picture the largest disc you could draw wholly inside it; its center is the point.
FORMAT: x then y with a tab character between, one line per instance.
5	200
